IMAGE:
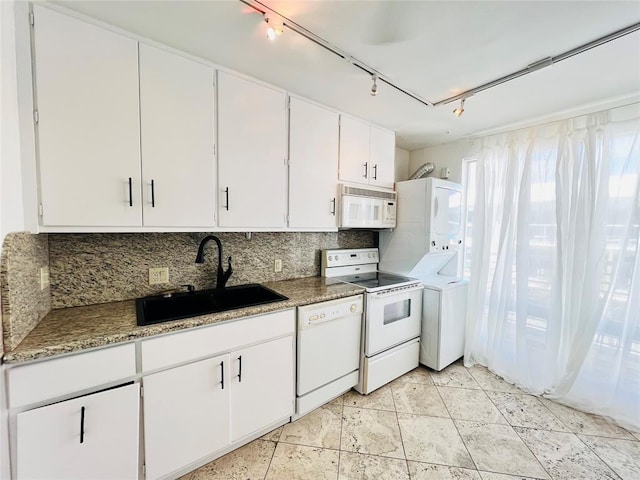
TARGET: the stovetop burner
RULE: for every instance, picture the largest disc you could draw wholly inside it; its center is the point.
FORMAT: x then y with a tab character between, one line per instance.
377	280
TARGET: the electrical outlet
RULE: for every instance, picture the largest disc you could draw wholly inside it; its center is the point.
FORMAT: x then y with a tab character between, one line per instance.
277	265
158	275
44	278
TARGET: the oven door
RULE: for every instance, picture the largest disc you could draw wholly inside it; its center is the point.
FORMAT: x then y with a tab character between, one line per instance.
392	317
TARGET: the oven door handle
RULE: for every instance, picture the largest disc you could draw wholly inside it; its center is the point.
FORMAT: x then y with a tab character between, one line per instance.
393	292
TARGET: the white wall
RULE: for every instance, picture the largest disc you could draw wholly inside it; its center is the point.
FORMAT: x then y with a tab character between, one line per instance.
449	155
18	201
11	204
402	165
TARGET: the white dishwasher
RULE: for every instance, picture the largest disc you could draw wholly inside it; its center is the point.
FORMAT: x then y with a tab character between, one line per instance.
328	351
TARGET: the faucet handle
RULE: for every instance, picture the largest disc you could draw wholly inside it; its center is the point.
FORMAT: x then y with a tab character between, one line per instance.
229	271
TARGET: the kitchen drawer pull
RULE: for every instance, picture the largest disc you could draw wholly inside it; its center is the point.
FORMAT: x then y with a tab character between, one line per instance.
366	169
153	194
375	171
333	210
240	368
226	192
130	192
82	425
222	373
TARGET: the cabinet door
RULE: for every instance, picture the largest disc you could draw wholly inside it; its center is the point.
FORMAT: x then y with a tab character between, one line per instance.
313	165
262	389
95	436
177	140
186	414
88	128
354	151
251	155
382	157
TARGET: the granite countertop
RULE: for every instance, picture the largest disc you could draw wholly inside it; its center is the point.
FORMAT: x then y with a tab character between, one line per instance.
78	328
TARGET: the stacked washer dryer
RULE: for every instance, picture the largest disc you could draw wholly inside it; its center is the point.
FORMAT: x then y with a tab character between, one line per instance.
427	244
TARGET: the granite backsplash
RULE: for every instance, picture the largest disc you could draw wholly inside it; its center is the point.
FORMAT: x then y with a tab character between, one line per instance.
23	303
97	268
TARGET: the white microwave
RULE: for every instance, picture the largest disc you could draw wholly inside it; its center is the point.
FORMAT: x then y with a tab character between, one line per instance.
367	207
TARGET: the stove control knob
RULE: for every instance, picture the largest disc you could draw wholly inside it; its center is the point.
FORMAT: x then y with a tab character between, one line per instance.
322	315
313	318
353	308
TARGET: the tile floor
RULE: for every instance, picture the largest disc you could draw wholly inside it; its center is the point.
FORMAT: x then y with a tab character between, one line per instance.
461	423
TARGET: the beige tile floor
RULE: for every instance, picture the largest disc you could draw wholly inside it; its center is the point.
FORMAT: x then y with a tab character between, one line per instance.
461	423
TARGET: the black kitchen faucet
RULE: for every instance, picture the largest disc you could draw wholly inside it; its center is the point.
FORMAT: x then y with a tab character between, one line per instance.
222	276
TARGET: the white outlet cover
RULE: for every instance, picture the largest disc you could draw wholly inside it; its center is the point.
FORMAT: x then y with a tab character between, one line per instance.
44	277
158	275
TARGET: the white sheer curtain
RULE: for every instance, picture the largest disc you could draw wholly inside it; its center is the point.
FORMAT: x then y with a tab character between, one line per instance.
554	301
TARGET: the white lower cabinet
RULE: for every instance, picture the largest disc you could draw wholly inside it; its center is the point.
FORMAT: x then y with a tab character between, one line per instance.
193	411
262	389
95	436
185	414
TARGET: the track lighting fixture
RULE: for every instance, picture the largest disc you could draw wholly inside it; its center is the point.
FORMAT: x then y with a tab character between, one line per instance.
273	30
460	110
374	87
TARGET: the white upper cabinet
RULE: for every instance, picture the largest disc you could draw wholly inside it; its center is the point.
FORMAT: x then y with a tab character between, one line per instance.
354	150
252	136
313	165
367	153
382	154
88	127
177	140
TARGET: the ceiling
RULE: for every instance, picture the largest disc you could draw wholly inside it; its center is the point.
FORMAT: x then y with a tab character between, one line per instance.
435	49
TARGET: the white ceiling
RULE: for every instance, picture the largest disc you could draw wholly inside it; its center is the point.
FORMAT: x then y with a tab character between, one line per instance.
433	48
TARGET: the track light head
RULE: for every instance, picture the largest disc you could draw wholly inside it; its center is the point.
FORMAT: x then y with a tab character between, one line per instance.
374	87
273	30
460	110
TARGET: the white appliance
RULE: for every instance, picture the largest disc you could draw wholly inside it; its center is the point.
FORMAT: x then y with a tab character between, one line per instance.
393	313
365	207
328	351
444	311
426	244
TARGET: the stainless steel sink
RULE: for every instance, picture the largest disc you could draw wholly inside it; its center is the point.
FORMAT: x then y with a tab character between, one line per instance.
164	308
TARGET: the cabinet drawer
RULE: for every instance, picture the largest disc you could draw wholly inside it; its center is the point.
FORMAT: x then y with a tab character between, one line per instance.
52	378
182	347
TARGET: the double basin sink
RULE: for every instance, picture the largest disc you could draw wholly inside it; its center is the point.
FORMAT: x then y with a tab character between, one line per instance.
164	308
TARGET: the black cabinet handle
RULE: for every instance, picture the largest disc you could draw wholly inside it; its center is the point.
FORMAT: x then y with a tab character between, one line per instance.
366	169
153	194
240	368
130	192
222	373
333	210
82	425
375	171
226	192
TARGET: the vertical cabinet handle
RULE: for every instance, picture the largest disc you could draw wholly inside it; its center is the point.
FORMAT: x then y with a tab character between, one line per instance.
226	193
366	169
82	425
130	192
375	171
222	374
333	210
240	368
153	194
